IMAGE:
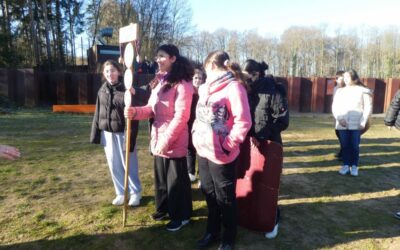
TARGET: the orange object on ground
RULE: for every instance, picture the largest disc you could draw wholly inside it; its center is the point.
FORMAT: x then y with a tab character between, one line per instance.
81	108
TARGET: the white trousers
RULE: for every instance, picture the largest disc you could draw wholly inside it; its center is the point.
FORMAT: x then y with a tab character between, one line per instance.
114	147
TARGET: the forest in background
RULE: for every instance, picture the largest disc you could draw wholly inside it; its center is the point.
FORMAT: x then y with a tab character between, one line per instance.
45	34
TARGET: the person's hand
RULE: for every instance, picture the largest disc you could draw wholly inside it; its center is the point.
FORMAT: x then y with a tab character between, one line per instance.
130	112
9	152
343	123
120	60
161	148
254	141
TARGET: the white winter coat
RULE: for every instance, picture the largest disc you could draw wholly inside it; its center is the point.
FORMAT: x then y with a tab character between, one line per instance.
352	103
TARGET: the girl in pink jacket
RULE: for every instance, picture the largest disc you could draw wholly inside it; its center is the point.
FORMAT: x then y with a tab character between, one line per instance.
222	121
169	106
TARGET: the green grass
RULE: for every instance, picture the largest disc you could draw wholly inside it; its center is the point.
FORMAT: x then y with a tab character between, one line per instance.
58	194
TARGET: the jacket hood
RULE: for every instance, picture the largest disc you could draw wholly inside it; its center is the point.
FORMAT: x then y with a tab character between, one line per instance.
219	83
260	85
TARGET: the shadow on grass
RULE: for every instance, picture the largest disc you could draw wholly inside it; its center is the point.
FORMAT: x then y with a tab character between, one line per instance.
153	237
332	223
384	141
317	184
328	225
197	195
365	160
367	145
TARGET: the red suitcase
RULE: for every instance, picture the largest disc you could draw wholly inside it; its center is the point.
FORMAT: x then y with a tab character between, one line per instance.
257	187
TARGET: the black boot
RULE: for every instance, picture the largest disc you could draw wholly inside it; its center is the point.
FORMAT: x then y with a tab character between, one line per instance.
207	240
226	246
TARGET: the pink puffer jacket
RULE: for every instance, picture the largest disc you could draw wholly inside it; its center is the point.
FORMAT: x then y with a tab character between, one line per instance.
171	111
222	119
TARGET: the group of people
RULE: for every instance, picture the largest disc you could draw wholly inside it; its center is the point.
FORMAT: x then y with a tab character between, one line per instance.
190	119
144	66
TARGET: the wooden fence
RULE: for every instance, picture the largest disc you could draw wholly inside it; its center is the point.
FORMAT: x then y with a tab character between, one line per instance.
31	88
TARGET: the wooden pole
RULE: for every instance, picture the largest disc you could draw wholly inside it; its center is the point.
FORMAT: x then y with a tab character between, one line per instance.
127	158
127	38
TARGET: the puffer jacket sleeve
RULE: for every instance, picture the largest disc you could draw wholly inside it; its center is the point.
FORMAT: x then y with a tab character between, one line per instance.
183	101
282	112
95	133
336	105
392	115
367	101
241	117
251	97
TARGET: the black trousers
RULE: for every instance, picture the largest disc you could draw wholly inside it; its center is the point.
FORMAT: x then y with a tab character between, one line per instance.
191	157
173	194
218	184
340	144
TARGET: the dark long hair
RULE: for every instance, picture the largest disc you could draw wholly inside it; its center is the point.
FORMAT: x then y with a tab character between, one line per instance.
181	69
252	66
221	60
355	78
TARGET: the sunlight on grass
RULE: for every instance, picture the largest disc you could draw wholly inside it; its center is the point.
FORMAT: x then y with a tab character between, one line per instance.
58	195
345	198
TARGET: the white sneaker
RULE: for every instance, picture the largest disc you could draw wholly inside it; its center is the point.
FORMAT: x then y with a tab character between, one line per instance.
192	177
199	185
345	170
273	233
118	201
354	170
135	199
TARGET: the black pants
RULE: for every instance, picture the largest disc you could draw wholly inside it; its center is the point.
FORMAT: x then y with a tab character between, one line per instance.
172	187
337	135
191	157
218	183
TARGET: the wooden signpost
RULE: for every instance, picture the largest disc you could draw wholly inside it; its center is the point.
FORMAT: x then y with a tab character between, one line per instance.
127	39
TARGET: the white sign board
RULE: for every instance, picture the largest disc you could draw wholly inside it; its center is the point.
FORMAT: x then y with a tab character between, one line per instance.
128	33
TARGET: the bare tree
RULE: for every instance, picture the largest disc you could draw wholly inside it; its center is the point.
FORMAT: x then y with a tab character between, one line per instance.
47	30
35	46
93	10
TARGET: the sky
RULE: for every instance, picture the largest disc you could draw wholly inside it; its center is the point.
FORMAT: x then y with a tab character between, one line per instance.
273	17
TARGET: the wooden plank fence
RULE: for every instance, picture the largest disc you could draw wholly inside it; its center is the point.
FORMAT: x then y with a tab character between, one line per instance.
32	88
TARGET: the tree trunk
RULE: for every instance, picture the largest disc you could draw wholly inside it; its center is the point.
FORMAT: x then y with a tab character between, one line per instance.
33	35
96	21
72	36
46	28
59	41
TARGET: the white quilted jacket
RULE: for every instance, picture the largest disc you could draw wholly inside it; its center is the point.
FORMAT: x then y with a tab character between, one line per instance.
352	103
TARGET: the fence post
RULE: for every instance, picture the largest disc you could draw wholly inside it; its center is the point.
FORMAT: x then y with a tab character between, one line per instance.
318	94
391	88
294	93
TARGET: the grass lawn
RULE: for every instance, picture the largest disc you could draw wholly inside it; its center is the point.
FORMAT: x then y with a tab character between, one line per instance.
58	195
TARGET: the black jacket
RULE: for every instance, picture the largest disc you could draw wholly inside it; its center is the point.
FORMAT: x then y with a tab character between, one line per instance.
109	113
392	117
269	109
